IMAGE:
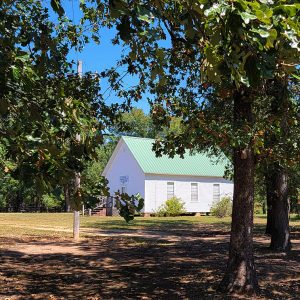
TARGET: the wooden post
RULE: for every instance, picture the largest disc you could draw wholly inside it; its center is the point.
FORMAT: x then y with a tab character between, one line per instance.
76	225
83	209
90	212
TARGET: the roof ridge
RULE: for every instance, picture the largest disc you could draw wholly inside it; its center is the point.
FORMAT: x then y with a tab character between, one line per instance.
137	137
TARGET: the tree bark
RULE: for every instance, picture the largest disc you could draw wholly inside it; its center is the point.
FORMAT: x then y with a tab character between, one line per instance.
277	179
240	275
67	198
269	194
18	202
280	230
264	208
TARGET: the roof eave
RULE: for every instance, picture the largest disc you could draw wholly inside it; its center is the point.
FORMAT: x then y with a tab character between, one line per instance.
114	154
190	175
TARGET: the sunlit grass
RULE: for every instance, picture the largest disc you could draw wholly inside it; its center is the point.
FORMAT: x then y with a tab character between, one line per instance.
60	224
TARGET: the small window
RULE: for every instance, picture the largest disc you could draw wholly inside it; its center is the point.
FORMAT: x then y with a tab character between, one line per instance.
216	192
170	190
194	192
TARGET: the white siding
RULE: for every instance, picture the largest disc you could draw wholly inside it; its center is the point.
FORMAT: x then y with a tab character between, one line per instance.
156	191
123	164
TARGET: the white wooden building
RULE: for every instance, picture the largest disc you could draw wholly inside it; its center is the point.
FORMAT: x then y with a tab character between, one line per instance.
196	179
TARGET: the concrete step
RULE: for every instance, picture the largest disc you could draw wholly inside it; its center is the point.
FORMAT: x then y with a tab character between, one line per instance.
99	211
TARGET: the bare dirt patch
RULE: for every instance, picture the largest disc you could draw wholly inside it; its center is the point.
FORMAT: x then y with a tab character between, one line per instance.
137	265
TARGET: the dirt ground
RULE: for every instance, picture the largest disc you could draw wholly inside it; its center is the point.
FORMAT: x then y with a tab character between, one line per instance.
182	264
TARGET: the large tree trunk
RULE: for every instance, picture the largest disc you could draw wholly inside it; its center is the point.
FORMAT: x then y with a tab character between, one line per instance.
280	230
240	276
277	181
269	194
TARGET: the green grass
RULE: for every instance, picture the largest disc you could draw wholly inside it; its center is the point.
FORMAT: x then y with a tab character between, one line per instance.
35	224
63	221
60	224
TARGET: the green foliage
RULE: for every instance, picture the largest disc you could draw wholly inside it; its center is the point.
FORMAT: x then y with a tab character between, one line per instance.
128	206
222	208
15	194
135	123
57	7
259	206
51	201
192	57
2	203
44	104
198	60
92	183
10	190
171	208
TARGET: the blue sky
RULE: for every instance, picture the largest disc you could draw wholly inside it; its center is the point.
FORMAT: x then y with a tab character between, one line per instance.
97	58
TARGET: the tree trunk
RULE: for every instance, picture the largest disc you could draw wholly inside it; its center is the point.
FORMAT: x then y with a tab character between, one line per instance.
18	202
277	180
240	276
280	230
264	210
67	198
269	194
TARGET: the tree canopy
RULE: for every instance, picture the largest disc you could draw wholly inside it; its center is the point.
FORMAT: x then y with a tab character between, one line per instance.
209	64
44	103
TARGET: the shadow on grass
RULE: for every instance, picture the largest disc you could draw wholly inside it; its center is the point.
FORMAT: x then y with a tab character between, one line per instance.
115	269
168	224
126	268
293	217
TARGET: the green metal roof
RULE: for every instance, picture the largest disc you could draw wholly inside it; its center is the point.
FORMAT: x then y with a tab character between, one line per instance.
193	165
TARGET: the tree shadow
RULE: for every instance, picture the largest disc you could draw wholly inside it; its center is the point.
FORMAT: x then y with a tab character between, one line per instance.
115	269
156	224
130	268
139	222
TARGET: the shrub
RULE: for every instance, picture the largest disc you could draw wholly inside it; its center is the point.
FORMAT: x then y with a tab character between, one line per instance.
222	208
51	201
171	208
258	208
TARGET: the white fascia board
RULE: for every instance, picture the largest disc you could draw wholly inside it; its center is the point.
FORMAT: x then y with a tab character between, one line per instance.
114	154
186	175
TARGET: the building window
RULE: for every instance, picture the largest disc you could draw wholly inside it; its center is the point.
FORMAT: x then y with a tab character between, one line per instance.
194	192
216	193
170	190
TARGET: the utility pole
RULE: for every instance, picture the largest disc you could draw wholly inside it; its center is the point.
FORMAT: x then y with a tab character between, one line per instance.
76	220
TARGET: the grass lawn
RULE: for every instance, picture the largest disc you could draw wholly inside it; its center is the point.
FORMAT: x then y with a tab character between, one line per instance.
15	224
60	224
149	258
